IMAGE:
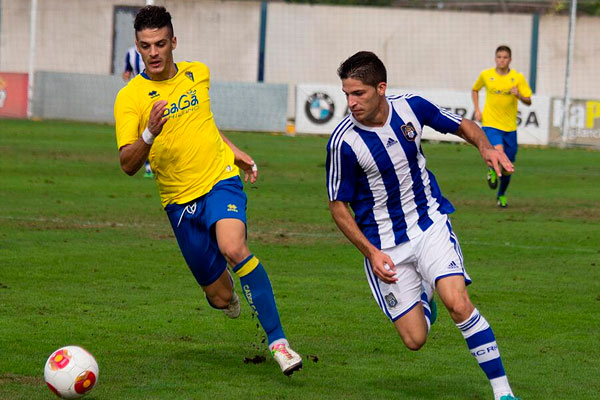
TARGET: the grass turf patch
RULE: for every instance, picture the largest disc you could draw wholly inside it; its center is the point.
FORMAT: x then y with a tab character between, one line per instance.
87	257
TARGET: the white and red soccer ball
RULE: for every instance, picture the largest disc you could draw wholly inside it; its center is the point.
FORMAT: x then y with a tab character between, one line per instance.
71	372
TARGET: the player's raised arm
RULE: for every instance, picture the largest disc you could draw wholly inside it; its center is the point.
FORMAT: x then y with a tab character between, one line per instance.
472	133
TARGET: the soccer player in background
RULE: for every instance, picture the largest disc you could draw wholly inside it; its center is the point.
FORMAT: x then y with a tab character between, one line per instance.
134	65
376	166
164	115
504	88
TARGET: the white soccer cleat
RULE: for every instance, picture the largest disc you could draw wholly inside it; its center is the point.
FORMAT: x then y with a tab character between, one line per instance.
234	308
288	359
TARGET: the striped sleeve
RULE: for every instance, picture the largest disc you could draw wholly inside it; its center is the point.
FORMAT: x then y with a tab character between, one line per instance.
434	116
128	66
341	165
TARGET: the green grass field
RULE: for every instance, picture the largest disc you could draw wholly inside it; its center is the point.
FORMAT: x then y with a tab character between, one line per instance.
87	257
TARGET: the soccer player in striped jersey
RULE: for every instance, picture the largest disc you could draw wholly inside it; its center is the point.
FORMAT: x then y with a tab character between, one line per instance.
376	166
164	115
504	87
134	65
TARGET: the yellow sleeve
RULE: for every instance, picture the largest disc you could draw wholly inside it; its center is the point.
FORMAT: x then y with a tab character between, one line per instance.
479	83
523	86
126	119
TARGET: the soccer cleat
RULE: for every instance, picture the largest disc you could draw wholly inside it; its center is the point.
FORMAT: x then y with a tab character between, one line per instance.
234	308
148	174
433	306
492	179
502	202
288	359
509	397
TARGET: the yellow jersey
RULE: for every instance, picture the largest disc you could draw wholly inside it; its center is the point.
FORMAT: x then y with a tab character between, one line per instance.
189	156
500	109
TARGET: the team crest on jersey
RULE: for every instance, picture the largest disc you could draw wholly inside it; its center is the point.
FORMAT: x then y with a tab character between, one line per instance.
410	133
153	94
190	76
390	299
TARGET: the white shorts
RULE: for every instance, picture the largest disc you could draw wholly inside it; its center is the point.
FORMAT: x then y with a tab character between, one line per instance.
423	260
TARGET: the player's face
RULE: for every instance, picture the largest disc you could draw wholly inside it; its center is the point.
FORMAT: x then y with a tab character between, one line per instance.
156	48
502	60
366	102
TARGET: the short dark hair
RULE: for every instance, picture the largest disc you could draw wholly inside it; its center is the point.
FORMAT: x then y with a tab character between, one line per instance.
364	66
153	17
504	48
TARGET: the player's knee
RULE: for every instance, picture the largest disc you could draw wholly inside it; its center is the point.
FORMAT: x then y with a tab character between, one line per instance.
219	300
414	339
461	309
234	252
414	343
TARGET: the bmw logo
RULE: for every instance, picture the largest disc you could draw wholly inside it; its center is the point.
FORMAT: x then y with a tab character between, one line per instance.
319	108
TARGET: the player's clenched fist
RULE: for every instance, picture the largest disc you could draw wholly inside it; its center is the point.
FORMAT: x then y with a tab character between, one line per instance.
157	120
384	267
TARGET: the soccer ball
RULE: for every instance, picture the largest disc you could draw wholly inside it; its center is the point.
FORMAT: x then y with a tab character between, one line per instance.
71	372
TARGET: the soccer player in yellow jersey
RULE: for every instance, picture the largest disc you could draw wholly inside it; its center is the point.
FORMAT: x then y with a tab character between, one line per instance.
504	88
164	115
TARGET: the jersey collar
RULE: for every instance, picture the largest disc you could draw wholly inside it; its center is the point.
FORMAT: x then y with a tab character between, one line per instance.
147	77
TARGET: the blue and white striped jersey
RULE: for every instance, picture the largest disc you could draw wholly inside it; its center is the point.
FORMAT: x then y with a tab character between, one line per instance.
134	62
381	171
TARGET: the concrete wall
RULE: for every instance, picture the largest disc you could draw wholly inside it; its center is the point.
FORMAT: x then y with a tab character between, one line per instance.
235	105
72	35
422	49
585	70
60	96
260	107
224	35
77	35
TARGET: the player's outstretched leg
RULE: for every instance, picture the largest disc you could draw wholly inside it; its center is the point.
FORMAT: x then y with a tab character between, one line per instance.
257	289
510	149
482	344
504	181
476	332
